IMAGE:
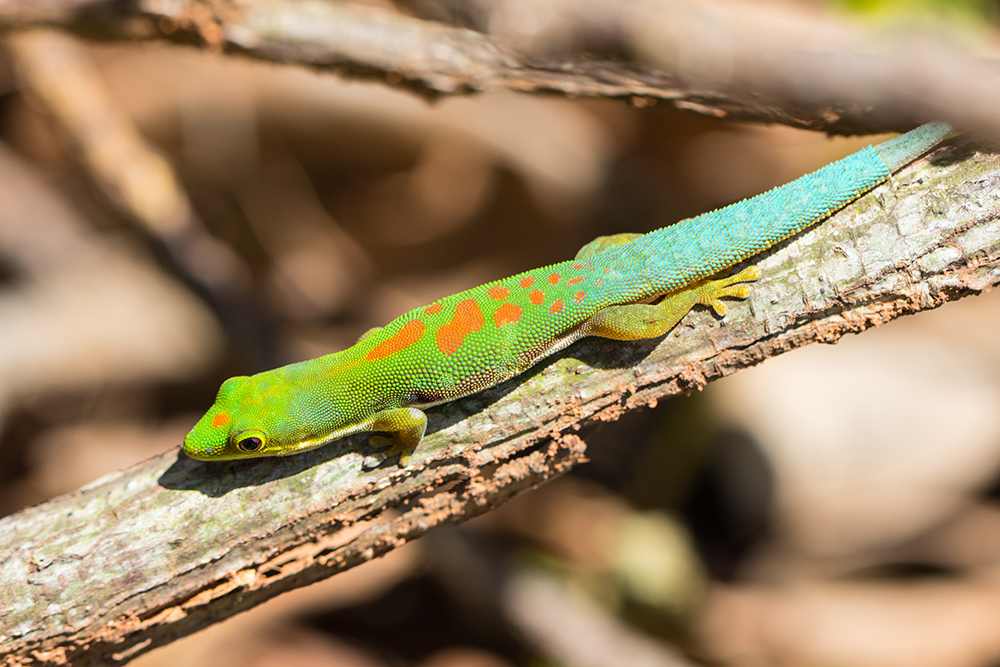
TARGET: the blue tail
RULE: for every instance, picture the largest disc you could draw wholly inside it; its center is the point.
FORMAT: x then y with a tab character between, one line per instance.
702	246
905	148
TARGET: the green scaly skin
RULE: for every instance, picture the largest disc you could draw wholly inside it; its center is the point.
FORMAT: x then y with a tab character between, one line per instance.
625	287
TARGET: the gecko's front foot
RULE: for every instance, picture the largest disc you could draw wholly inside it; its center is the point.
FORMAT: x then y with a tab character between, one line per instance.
406	427
387	448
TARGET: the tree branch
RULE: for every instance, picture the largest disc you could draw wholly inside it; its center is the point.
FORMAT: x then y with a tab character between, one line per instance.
146	555
744	63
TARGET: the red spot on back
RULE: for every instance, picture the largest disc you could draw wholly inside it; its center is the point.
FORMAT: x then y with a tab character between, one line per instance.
433	308
404	338
573	281
527	281
556	306
498	292
579	296
220	419
467	318
554	278
506	314
536	297
578	266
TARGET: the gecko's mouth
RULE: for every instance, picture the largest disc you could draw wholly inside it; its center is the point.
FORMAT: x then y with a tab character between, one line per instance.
313	443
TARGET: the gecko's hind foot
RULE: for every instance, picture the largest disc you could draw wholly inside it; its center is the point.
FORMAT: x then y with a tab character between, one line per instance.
602	243
712	292
640	320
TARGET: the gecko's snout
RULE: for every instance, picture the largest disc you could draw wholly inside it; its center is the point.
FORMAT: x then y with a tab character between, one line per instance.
207	440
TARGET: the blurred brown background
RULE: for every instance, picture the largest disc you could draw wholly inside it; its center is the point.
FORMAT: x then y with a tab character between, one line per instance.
169	218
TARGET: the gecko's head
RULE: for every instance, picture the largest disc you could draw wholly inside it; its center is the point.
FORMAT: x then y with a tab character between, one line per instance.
214	436
251	417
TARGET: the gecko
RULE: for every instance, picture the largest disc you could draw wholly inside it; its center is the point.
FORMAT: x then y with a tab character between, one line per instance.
623	287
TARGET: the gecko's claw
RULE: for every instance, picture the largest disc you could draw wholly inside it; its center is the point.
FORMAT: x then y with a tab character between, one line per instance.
371	462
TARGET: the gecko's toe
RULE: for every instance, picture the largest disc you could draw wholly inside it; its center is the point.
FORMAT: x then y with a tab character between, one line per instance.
372	461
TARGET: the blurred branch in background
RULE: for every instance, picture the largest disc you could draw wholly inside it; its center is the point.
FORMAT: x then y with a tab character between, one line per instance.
136	178
724	59
84	309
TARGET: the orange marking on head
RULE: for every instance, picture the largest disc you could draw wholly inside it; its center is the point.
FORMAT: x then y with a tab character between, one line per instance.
536	297
467	318
220	419
573	281
554	278
527	281
498	292
578	266
404	338
579	296
556	306
506	314
433	308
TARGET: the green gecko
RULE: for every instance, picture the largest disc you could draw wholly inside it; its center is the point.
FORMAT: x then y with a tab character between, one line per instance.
625	287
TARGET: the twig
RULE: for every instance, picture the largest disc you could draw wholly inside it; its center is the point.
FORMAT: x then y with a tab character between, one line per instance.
741	64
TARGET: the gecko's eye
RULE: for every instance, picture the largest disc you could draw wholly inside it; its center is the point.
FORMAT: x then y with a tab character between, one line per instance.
249	441
251	444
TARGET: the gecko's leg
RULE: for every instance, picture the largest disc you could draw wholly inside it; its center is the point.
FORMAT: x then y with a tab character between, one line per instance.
406	427
370	332
635	321
602	243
